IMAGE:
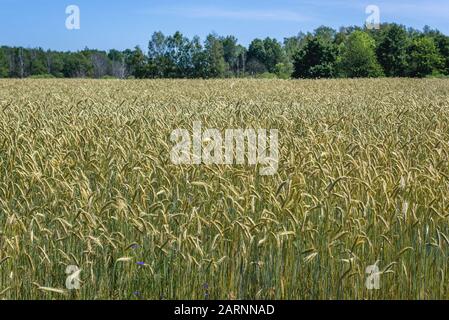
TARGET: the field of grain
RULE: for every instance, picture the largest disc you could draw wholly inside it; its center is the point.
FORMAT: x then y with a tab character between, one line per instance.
86	180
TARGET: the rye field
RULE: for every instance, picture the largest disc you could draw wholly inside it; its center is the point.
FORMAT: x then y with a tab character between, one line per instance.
86	180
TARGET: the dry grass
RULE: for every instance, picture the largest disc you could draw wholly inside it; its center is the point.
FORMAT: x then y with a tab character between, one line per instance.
85	173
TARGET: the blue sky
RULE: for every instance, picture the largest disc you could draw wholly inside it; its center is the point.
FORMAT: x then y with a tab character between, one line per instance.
121	24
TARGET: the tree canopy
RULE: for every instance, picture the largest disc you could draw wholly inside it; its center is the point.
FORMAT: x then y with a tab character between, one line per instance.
392	51
358	56
316	60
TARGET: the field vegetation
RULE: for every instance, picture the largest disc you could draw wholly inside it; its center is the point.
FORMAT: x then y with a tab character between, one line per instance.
86	180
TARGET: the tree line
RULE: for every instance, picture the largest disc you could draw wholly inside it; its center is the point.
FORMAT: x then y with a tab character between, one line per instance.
392	51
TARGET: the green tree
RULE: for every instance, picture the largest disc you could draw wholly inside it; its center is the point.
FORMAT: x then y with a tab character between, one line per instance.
316	60
442	43
231	52
170	56
274	54
100	63
117	63
214	54
254	67
199	59
240	67
77	65
351	52
325	34
268	52
392	50
178	56
293	44
256	57
284	70
37	62
55	63
157	46
138	63
358	58
17	57
158	56
423	57
4	69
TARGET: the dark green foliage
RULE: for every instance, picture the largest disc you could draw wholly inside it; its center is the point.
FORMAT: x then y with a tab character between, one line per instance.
3	64
77	65
393	51
442	43
423	57
214	54
268	52
293	45
316	60
234	55
358	56
138	61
